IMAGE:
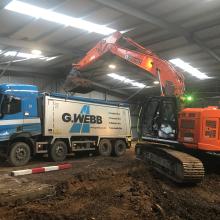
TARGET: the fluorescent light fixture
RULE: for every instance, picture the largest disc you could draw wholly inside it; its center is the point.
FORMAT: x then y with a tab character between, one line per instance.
111	66
28	55
188	68
49	15
21	54
36	52
156	82
50	58
126	80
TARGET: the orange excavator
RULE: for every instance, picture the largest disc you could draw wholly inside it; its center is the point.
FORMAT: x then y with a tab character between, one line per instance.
168	133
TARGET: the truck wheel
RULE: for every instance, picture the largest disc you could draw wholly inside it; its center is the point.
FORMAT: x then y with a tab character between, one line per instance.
105	147
58	151
119	148
19	154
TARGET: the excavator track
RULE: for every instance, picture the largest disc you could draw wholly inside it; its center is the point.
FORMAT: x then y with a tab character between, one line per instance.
176	165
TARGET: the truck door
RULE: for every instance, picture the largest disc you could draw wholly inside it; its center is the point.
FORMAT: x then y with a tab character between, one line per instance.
11	115
31	118
48	116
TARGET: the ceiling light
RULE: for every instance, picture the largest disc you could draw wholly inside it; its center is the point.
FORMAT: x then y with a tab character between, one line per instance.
111	66
126	80
21	54
50	58
46	14
156	82
188	68
36	52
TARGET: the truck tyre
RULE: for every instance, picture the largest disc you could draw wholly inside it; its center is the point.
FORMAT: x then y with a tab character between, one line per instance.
119	148
105	147
19	154
58	151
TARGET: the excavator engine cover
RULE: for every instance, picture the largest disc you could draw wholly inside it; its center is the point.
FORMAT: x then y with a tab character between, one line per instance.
199	128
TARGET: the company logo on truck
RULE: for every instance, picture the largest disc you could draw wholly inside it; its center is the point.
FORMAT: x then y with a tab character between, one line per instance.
82	121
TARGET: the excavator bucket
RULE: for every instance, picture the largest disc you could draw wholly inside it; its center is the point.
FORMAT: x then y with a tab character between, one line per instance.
75	83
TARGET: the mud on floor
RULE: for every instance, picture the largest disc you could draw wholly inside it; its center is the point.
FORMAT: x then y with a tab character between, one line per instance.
15	191
129	192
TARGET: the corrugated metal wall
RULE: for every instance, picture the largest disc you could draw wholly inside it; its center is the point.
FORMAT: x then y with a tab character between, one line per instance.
48	84
44	83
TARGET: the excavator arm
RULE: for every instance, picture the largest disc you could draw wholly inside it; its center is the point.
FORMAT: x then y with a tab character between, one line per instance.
171	81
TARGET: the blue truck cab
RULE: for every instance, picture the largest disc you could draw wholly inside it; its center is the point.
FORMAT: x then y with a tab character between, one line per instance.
19	120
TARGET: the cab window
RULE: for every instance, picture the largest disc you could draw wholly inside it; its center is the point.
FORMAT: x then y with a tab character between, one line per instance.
11	105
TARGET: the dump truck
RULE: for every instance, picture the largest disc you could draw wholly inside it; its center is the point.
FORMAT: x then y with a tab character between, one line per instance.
34	123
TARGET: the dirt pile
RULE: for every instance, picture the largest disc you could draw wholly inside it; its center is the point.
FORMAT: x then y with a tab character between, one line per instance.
132	193
15	191
118	188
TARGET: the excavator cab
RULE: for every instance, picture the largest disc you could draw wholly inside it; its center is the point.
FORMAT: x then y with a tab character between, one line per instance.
158	119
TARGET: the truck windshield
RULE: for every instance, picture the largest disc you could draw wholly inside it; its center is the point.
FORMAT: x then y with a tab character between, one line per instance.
9	105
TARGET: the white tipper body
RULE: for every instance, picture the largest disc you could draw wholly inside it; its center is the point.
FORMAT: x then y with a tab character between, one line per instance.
59	116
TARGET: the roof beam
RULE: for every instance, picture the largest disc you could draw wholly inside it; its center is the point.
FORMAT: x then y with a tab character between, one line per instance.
38	70
47	35
32	44
143	15
103	87
3	3
203	46
29	22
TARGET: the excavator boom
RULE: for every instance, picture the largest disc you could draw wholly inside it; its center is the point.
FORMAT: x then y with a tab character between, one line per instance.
171	81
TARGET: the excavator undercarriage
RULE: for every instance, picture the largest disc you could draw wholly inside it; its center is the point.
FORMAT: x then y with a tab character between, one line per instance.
159	146
176	165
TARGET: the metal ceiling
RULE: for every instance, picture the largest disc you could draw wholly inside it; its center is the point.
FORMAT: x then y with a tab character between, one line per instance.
188	29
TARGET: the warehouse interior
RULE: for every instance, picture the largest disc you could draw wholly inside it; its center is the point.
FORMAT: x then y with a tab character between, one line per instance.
171	29
41	40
